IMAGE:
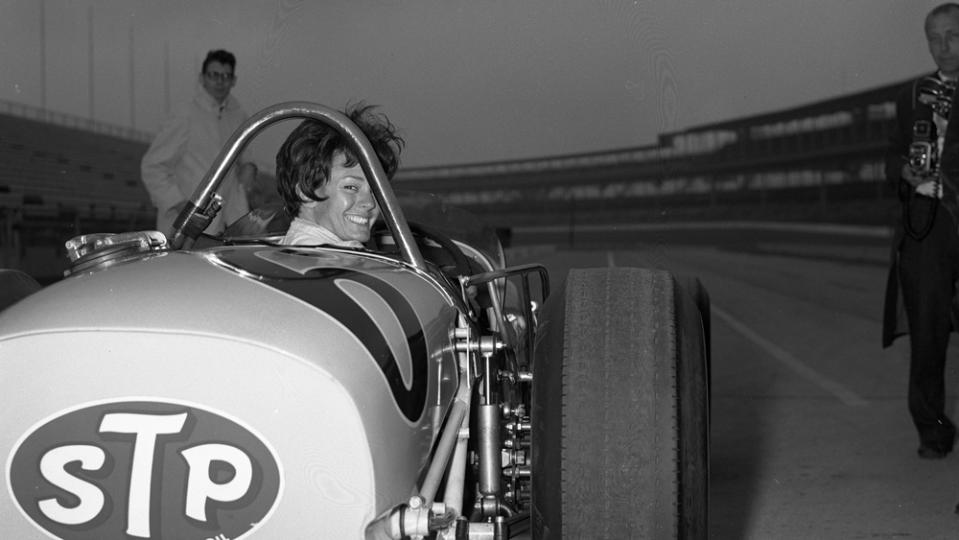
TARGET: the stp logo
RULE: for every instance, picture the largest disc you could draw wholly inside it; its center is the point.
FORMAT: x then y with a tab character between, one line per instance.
144	469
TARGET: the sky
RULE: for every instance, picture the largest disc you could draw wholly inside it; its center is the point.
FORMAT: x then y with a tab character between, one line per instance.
466	81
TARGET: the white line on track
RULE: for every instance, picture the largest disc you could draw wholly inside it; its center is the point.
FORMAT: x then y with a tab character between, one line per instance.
845	395
610	261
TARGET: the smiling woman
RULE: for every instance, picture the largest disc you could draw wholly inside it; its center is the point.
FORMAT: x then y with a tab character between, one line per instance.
323	186
346	209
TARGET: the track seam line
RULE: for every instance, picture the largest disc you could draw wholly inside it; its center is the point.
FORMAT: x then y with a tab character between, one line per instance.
845	395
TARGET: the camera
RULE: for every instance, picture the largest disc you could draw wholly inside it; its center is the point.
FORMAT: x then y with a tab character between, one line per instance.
937	94
923	152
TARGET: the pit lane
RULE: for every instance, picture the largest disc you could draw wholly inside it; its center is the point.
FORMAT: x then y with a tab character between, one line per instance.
811	437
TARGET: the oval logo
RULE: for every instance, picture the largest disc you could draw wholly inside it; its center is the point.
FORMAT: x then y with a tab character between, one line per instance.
144	468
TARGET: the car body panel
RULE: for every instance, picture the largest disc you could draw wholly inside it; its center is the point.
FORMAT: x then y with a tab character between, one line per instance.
184	385
339	361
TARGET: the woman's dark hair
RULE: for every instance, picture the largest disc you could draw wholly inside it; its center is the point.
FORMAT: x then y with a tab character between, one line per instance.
304	161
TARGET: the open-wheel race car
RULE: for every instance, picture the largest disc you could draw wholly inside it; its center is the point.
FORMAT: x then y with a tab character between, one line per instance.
199	387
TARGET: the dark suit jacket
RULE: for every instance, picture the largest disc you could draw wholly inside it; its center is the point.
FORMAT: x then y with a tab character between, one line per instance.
907	112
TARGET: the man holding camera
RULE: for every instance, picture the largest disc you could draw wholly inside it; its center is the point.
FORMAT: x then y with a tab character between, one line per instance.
923	165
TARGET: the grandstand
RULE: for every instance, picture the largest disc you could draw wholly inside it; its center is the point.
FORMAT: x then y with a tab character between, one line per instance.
61	176
820	162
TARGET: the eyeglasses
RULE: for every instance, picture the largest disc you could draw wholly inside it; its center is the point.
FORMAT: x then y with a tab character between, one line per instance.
219	77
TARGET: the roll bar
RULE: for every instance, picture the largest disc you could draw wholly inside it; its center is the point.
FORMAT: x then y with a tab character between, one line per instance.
203	206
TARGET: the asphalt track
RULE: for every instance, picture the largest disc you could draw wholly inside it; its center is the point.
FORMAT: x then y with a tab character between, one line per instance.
810	435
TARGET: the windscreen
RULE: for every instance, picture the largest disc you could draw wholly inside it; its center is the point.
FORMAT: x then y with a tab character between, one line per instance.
428	209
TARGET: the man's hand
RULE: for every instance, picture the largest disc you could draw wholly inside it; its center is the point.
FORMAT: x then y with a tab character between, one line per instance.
914	179
924	184
928	188
247	175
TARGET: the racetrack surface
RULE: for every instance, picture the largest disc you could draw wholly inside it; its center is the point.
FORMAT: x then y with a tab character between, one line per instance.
811	437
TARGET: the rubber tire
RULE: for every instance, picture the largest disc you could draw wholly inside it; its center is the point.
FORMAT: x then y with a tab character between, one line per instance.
619	410
692	286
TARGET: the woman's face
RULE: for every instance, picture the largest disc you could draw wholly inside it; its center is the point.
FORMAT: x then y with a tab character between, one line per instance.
350	209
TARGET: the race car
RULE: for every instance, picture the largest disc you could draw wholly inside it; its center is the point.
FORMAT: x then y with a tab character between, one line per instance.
224	387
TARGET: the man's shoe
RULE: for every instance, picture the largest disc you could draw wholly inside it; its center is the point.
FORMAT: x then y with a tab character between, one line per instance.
928	452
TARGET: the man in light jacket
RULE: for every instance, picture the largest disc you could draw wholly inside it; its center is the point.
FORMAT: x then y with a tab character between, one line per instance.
188	142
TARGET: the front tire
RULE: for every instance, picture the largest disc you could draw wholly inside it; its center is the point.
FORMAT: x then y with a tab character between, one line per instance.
620	416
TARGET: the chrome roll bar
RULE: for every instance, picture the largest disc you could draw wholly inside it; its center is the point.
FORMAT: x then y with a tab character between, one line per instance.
202	206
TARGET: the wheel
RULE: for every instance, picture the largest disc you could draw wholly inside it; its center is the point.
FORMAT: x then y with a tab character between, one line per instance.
692	286
619	410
